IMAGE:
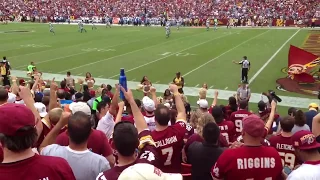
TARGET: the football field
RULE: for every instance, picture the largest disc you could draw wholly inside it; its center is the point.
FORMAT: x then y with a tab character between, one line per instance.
201	56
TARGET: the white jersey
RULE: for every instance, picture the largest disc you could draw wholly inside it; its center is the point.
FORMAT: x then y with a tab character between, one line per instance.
306	172
151	122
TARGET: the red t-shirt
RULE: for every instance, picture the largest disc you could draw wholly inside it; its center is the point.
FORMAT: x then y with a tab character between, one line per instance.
45	132
228	130
284	146
257	163
37	167
148	154
169	143
97	142
236	118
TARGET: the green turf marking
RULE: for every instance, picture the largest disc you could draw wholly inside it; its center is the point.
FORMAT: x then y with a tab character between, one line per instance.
189	91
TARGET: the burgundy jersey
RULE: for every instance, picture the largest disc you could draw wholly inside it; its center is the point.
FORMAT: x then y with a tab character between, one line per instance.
284	146
147	154
37	167
169	143
228	130
243	163
97	142
236	118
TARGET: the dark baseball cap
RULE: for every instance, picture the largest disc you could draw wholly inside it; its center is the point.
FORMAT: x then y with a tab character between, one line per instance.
14	117
78	95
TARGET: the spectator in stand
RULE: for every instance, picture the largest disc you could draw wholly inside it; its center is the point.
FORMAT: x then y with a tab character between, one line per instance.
264	113
231	107
109	93
203	155
17	139
3	96
283	144
252	160
236	117
171	159
127	139
203	119
313	111
300	122
98	99
63	86
106	114
84	163
149	107
292	112
203	105
227	128
306	148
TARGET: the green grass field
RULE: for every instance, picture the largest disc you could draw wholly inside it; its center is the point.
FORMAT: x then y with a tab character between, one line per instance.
201	56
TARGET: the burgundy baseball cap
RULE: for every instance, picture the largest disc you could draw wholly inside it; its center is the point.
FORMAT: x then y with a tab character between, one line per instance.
13	117
304	140
253	126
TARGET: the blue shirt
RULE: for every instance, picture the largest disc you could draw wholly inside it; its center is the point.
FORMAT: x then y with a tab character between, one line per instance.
65	102
309	117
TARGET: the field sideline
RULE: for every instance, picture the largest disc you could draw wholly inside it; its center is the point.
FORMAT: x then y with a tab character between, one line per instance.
201	56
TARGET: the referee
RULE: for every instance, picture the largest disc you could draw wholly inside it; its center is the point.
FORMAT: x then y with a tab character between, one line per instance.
245	67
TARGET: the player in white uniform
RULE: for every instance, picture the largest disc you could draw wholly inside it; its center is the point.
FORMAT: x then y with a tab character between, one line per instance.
82	29
208	24
51	28
93	26
108	24
179	22
168	32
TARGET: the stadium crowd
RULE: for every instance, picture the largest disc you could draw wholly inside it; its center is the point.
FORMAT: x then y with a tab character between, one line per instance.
287	9
73	130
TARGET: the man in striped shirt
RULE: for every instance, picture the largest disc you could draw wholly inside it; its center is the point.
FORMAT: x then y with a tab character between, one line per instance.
245	67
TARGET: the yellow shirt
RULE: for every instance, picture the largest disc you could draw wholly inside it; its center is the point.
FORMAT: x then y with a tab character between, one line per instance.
177	81
3	70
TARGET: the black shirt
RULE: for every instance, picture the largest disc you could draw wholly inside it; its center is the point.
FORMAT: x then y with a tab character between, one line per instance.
202	157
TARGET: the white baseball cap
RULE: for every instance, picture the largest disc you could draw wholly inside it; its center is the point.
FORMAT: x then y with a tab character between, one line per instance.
41	108
203	103
143	171
11	98
148	104
80	106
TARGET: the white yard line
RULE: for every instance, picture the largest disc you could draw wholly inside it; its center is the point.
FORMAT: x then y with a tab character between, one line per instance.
186	74
189	91
120	55
159	59
197	85
271	58
210	87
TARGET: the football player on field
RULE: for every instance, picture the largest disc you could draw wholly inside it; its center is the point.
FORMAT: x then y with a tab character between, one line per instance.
169	139
252	160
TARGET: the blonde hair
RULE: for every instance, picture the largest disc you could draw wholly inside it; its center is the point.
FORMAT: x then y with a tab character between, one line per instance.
204	119
55	114
195	115
202	93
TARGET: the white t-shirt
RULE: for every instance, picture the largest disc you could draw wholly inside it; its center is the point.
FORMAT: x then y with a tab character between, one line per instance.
151	122
106	124
307	171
